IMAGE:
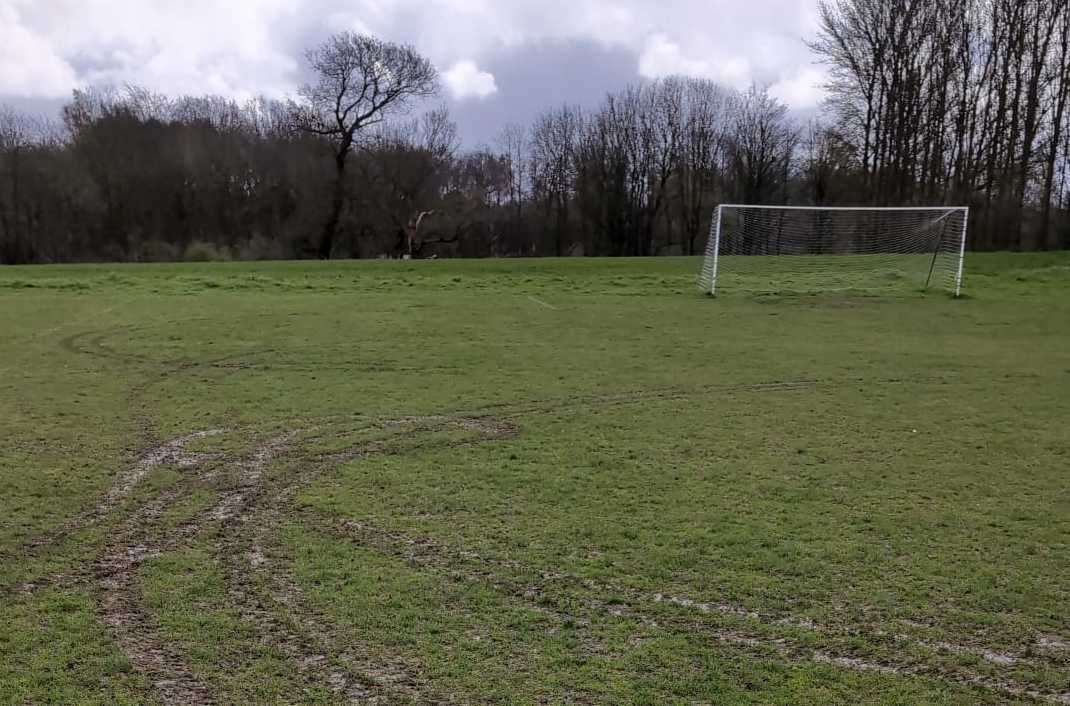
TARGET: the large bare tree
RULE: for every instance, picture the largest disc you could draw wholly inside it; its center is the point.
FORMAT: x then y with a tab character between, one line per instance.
359	80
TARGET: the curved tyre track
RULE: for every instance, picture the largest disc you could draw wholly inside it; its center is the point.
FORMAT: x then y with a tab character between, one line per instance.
140	538
276	604
261	589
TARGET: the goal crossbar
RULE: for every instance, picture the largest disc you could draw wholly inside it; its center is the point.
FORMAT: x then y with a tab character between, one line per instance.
844	208
886	242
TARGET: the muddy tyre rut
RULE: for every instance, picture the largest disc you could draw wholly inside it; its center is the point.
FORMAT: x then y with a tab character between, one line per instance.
238	526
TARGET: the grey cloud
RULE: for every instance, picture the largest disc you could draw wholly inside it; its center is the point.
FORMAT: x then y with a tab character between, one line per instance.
46	107
534	77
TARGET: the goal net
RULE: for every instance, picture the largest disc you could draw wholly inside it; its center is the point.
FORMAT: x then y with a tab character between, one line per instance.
805	249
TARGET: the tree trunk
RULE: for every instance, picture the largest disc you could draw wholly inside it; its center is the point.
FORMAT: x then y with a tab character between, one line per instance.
1051	240
330	228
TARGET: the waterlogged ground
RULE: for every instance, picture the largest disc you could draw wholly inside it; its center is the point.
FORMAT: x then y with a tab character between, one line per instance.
531	481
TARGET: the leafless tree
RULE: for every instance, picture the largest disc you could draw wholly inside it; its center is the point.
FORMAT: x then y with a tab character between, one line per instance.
1058	105
699	173
553	149
360	80
15	138
404	169
962	100
763	143
514	142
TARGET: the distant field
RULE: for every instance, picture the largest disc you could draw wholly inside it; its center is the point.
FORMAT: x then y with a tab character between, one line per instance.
531	481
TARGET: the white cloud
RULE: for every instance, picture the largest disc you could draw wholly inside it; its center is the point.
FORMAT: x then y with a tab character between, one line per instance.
662	57
803	90
465	80
189	47
28	64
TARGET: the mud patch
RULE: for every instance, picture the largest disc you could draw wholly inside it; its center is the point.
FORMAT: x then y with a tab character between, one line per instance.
723	608
853	663
250	474
135	631
994	657
271	599
171	453
1053	643
142	537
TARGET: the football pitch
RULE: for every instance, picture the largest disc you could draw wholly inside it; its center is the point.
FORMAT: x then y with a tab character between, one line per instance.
531	482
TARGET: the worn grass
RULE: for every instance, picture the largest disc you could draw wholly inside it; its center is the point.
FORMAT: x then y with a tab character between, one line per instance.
664	498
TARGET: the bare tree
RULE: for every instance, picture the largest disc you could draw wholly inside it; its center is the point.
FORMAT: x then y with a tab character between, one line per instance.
662	126
955	99
828	167
514	142
964	101
403	168
359	81
762	145
1059	103
553	150
15	138
700	163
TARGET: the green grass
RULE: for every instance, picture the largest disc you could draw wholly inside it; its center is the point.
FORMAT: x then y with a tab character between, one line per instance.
858	274
569	481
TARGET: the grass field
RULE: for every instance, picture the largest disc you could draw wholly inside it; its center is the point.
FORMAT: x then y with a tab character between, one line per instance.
528	481
859	275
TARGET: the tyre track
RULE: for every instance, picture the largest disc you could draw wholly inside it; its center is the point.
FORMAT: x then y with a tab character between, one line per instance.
351	669
549	594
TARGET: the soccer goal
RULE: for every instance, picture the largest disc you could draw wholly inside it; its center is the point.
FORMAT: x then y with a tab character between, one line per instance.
809	249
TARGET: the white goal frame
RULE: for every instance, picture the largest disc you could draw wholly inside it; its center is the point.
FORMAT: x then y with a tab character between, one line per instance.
713	247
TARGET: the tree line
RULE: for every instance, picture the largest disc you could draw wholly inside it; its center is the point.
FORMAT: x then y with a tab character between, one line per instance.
133	175
964	101
960	102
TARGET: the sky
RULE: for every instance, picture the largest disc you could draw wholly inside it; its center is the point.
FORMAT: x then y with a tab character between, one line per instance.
501	61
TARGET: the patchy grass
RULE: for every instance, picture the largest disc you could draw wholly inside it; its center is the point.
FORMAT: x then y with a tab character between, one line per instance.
188	592
536	481
54	651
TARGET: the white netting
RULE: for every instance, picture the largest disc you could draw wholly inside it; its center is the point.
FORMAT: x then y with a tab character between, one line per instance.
791	249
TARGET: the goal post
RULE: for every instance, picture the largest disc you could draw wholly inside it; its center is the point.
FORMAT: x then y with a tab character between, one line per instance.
809	249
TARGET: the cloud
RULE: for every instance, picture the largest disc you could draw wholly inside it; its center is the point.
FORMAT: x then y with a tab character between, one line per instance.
501	53
49	47
803	90
662	57
465	80
45	75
